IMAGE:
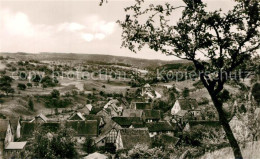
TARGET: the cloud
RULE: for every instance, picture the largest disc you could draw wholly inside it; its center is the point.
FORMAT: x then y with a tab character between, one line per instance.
16	23
88	37
100	36
71	27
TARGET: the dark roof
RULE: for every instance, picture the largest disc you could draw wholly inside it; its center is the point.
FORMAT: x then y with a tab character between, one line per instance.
93	117
205	123
84	128
51	126
106	129
132	137
127	121
14	122
188	104
143	105
3	127
132	113
159	126
152	114
27	128
169	140
95	110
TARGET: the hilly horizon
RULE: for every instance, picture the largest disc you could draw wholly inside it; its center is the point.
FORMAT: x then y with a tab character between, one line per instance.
91	58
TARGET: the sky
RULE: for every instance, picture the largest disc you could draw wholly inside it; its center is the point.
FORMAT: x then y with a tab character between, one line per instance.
73	26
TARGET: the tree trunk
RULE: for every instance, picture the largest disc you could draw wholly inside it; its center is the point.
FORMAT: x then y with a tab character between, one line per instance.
225	124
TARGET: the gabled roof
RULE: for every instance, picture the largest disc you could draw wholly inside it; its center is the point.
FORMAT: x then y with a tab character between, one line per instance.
188	104
127	121
159	126
3	128
15	145
111	102
143	105
84	128
152	114
76	116
96	155
147	85
106	129
131	137
43	117
89	106
181	113
14	123
132	113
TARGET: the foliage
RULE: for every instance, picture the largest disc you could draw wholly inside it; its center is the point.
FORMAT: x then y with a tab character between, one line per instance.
5	84
89	146
186	92
46	145
21	86
226	40
256	92
55	93
30	104
143	151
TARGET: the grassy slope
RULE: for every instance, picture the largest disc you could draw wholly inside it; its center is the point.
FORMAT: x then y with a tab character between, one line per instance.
249	151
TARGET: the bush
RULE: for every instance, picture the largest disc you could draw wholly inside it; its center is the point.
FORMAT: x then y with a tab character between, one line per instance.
21	86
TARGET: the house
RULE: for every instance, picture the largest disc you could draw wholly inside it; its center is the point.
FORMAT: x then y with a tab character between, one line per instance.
239	128
206	124
141	105
86	109
99	119
13	149
126	122
77	116
28	128
162	127
108	134
150	93
40	119
189	105
84	129
133	113
6	135
152	115
113	108
169	142
16	127
96	155
128	138
8	148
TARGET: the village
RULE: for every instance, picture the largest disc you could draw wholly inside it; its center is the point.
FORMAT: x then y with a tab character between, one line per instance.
169	119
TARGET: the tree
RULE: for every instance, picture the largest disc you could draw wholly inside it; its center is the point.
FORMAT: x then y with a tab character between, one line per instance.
256	92
30	104
89	146
55	93
186	92
46	145
21	86
225	41
5	84
29	84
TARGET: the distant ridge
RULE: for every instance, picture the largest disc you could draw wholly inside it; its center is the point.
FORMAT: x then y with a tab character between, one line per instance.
91	58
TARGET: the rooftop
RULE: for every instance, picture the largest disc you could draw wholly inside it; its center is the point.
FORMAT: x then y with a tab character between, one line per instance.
15	145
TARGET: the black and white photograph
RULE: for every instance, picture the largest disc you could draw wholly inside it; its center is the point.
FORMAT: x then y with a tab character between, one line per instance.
129	79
